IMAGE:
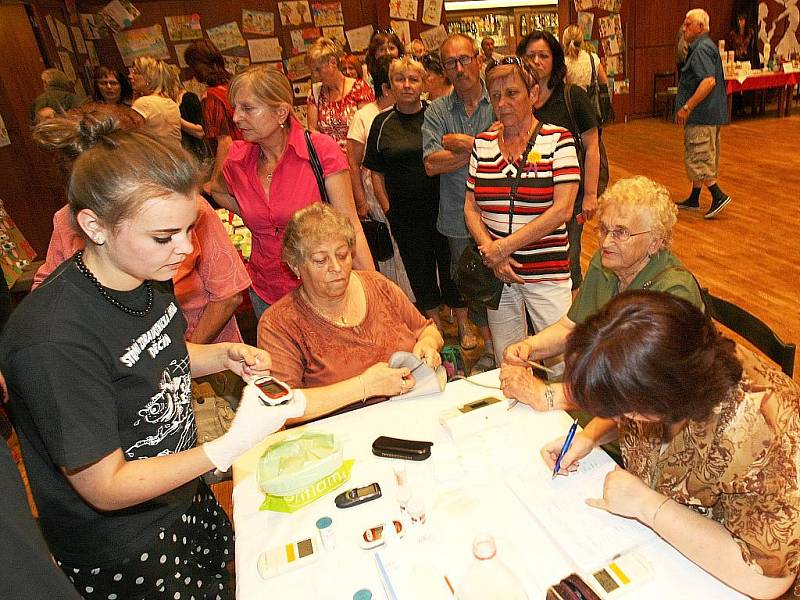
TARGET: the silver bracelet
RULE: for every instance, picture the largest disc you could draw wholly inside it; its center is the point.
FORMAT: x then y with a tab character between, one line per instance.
548	395
655	514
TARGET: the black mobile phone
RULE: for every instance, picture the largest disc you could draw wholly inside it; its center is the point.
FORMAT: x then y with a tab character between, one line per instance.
358	495
390	447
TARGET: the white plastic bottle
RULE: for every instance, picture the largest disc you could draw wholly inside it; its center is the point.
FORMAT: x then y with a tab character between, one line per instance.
488	578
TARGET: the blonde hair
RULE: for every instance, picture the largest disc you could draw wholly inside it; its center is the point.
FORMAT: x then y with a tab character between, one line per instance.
116	171
322	50
643	196
572	40
156	74
268	85
312	225
404	64
173	86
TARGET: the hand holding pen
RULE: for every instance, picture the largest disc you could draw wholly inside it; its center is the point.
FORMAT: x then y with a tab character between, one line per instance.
580	446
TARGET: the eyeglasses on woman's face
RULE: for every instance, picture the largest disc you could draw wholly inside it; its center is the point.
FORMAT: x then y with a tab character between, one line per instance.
618	234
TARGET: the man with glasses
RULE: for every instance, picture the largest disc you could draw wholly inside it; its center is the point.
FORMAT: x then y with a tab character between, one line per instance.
450	126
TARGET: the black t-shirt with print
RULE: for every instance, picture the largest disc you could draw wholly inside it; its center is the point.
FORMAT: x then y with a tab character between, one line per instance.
85	379
394	148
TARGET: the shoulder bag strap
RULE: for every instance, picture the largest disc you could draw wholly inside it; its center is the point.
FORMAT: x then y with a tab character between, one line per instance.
515	183
316	166
594	73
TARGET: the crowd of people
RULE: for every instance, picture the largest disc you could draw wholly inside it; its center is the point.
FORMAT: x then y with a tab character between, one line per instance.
456	150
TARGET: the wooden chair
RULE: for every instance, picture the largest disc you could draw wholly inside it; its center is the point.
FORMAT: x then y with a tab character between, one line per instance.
663	97
754	330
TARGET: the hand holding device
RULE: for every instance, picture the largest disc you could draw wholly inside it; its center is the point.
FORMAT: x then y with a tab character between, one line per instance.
253	422
271	391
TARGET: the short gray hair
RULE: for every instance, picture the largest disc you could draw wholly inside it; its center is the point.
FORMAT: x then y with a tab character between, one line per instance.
643	196
698	14
461	36
312	225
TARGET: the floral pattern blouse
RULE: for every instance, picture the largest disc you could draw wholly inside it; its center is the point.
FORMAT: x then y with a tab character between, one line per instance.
333	117
740	467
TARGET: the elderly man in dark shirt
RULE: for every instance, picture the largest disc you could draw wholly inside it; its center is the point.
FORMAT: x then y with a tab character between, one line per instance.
703	110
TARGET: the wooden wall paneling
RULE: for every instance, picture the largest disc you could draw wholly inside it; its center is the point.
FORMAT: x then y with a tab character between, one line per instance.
658	27
649	61
30	184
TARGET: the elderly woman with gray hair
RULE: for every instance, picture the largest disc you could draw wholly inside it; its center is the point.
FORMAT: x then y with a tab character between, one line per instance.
332	336
635	220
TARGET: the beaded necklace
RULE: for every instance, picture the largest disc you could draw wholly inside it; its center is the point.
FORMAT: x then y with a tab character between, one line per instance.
100	288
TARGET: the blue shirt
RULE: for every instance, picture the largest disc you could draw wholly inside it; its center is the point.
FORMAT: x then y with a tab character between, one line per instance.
703	61
448	115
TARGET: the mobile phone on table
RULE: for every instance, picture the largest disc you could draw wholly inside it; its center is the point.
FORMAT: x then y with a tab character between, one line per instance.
358	495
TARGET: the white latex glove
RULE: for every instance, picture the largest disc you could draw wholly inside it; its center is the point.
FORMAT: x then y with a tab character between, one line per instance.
253	422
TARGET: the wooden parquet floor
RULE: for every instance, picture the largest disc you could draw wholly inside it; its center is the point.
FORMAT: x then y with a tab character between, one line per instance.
750	253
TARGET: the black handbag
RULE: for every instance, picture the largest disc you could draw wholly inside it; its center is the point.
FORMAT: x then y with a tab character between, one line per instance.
601	99
377	233
378	239
475	281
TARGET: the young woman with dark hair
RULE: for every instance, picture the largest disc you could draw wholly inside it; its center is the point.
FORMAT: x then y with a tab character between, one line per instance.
99	378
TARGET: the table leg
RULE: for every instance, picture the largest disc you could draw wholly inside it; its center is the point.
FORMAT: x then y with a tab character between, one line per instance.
788	89
781	100
730	107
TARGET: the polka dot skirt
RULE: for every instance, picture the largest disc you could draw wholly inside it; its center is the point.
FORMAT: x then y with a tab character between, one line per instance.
185	562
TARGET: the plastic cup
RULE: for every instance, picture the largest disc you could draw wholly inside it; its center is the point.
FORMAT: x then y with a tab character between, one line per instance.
326	533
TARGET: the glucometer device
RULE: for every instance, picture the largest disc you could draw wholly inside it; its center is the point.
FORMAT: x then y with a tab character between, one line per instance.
472	417
271	391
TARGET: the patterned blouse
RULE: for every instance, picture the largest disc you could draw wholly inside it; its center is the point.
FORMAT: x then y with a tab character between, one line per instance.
740	467
334	117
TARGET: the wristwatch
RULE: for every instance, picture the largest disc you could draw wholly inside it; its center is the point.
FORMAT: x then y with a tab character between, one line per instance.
686	108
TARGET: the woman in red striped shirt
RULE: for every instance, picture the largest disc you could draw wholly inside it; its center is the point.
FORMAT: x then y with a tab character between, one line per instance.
522	183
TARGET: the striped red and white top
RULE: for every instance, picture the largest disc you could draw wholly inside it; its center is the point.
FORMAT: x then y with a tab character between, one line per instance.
552	161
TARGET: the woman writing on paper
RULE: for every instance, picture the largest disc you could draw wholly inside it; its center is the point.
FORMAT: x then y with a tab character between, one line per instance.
709	433
332	336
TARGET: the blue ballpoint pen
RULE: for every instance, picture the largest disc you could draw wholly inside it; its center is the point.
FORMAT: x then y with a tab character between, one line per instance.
565	447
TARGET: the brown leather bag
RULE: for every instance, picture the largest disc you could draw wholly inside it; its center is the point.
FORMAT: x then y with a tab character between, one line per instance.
212	414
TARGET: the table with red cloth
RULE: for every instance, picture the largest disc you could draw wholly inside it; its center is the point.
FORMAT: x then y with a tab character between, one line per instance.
762	81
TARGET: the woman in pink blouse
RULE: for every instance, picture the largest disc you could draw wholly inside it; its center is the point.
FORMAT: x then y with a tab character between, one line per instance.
267	177
334	99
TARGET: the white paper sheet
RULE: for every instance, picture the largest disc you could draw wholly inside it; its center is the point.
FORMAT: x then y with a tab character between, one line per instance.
589	536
